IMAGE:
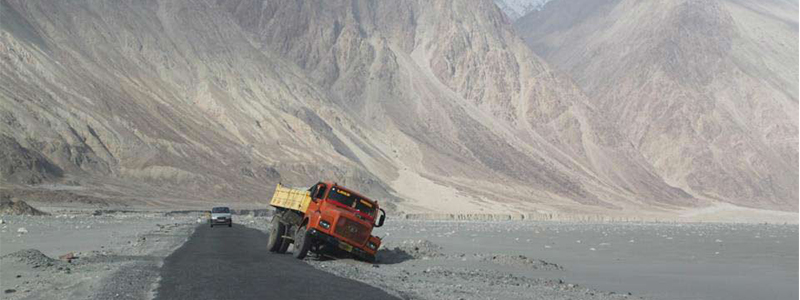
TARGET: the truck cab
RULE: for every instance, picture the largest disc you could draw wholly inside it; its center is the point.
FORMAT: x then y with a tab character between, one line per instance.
335	219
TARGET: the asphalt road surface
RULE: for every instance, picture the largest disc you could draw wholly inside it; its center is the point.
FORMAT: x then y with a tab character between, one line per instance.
233	263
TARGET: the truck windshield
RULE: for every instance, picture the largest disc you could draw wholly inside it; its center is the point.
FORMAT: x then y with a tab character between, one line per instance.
220	210
349	200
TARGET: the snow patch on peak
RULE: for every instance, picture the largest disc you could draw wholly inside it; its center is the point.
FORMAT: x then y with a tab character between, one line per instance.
516	9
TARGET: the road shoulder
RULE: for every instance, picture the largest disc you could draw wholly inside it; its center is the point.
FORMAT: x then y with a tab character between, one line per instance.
104	255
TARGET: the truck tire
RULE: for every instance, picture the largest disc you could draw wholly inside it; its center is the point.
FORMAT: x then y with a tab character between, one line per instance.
302	243
284	246
276	232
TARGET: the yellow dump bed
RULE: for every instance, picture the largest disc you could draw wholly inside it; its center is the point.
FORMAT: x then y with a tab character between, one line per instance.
289	198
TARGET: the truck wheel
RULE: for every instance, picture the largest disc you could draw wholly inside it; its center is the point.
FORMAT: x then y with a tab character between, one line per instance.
276	232
283	241
284	246
302	242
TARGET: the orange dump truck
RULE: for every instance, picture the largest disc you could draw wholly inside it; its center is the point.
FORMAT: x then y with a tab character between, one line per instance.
326	218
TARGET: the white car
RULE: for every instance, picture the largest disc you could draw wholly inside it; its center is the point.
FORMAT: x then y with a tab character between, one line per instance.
220	215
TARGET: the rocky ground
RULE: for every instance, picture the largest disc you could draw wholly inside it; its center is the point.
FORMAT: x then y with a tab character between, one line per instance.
10	207
87	254
421	269
116	254
649	260
569	260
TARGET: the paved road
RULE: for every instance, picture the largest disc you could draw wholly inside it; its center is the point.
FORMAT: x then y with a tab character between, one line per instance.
233	263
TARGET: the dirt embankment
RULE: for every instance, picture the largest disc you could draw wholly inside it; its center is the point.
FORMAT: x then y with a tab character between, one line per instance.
62	254
19	207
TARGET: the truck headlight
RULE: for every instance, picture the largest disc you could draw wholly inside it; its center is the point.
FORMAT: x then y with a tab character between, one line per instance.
324	224
372	246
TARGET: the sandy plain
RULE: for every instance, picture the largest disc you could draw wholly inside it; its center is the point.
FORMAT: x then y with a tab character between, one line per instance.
119	254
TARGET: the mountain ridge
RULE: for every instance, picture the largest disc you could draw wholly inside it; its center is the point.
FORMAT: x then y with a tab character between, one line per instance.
688	83
430	107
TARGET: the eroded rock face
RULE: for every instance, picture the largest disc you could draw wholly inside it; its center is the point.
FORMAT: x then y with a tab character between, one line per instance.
455	79
171	100
158	101
21	165
705	90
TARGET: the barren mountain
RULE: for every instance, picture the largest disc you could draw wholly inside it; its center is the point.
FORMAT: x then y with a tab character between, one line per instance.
435	106
161	102
707	91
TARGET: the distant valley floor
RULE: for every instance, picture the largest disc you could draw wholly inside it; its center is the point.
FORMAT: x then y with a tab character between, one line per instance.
426	259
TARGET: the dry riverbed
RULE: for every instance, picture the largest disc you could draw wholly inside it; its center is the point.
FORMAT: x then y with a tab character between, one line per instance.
553	260
117	254
111	255
517	259
418	268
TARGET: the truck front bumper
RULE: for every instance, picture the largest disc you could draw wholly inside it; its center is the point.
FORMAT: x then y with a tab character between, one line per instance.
336	243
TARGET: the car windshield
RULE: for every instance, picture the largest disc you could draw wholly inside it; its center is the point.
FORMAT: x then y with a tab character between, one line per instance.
221	210
350	200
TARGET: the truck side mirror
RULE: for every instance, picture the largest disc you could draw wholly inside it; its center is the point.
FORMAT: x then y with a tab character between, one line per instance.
381	219
317	192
